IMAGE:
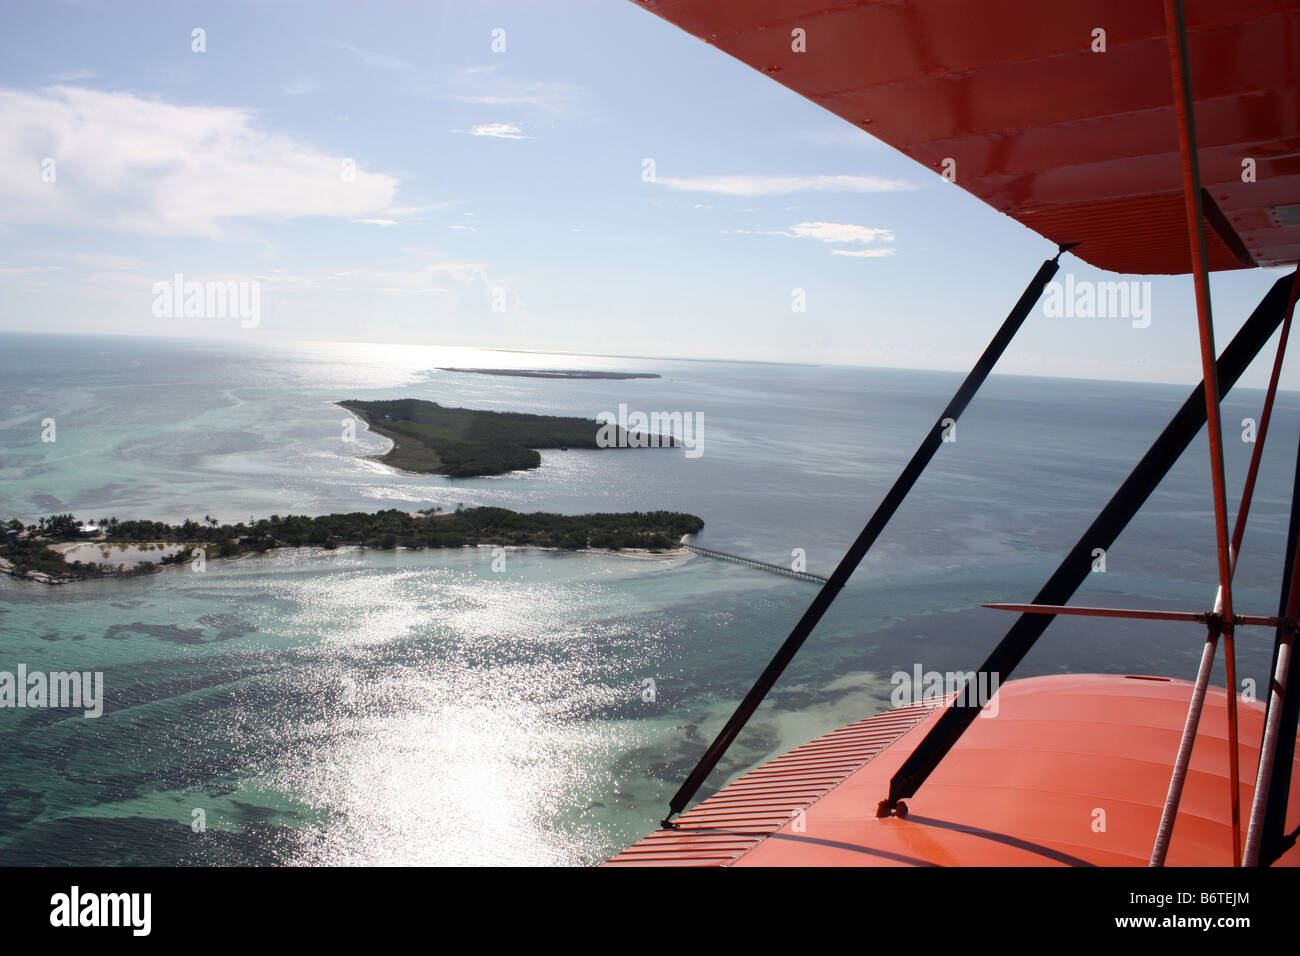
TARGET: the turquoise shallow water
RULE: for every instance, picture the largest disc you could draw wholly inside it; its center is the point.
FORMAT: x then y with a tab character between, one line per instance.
351	707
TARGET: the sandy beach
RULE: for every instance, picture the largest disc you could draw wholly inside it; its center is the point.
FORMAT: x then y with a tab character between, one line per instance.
122	557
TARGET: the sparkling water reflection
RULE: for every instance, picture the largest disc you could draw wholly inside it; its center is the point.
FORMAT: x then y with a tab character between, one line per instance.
349	707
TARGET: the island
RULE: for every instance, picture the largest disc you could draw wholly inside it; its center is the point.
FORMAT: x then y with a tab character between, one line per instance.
432	439
40	552
573	373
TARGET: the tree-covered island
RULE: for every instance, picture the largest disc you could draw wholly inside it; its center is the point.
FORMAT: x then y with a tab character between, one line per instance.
34	551
433	439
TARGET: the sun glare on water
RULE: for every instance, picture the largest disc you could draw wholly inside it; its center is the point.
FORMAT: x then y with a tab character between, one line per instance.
446	721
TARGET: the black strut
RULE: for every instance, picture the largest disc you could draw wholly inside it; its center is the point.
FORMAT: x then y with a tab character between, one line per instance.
855	554
1072	572
1273	844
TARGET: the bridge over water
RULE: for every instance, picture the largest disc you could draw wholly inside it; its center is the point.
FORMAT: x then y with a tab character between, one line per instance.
751	563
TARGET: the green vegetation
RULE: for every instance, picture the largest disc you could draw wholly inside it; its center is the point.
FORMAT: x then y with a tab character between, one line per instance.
30	555
464	443
59	526
30	558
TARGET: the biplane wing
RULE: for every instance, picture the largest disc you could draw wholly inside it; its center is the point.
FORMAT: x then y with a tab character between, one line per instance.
1058	114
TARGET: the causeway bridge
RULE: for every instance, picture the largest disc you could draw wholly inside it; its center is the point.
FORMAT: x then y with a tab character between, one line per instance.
760	565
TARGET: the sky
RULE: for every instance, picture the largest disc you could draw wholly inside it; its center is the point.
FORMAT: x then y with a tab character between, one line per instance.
553	176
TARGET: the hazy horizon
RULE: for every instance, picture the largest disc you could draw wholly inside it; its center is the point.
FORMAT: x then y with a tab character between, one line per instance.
1259	386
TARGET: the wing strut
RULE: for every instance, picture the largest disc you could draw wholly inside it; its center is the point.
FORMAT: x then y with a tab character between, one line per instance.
1281	698
1265	841
855	554
1077	565
1264	838
1184	107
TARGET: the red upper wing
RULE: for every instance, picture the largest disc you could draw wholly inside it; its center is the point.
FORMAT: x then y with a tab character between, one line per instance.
1080	146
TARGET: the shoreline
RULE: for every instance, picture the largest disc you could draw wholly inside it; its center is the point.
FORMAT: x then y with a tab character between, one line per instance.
430	439
149	567
60	548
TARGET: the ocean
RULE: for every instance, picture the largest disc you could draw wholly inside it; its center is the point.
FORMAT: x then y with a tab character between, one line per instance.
359	707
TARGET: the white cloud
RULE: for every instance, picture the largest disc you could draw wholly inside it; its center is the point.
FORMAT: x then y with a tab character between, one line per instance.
757	185
490	86
101	260
371	58
18	272
73	76
499	130
840	232
129	164
408	212
416	272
